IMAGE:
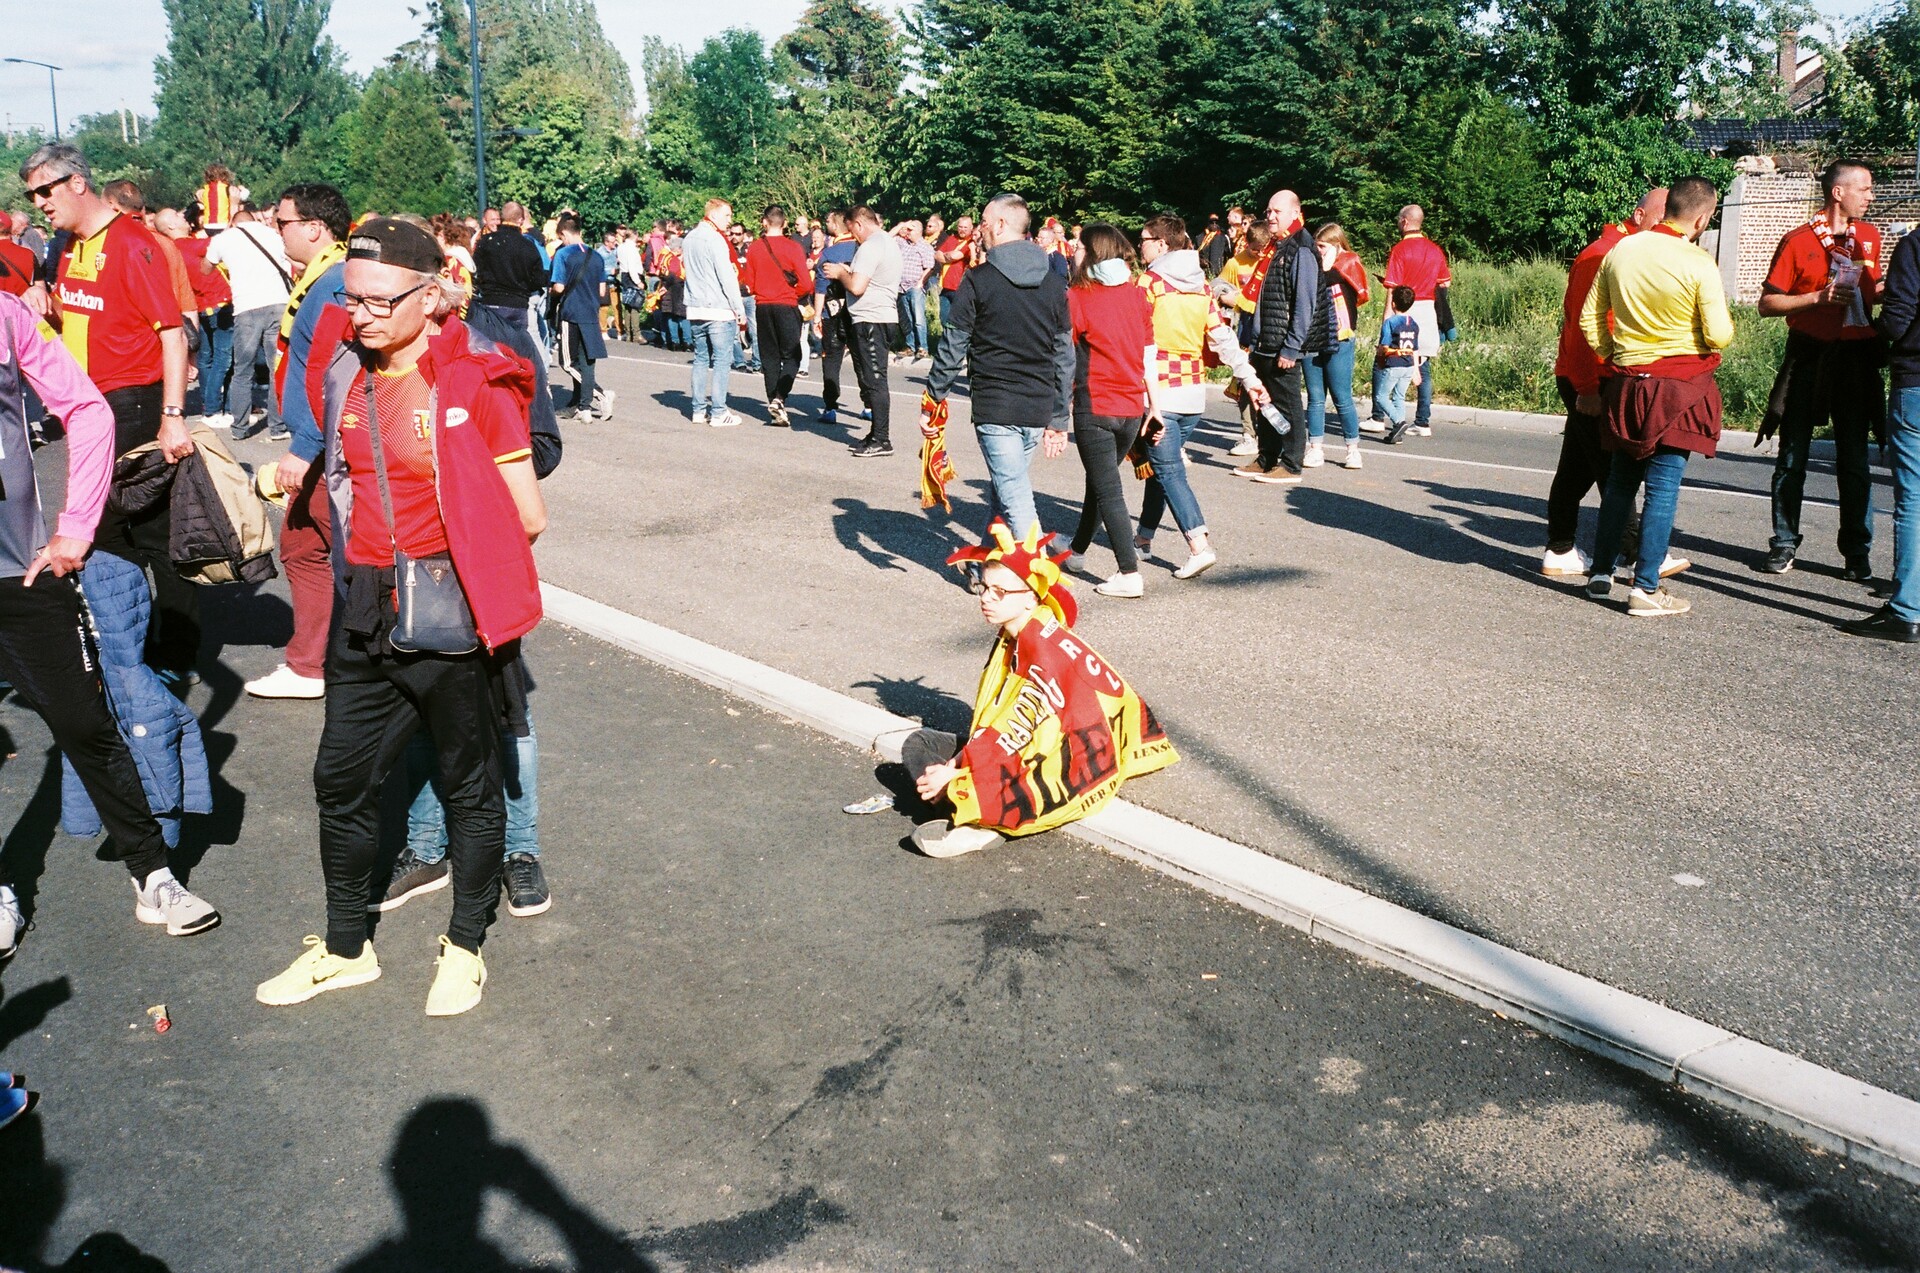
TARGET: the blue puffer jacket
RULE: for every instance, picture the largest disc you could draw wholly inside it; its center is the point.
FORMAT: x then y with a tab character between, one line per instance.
162	734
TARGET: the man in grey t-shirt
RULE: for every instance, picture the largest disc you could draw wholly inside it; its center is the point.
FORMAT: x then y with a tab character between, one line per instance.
872	279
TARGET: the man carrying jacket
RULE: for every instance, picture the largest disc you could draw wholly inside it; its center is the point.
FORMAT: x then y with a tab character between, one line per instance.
1009	330
1293	317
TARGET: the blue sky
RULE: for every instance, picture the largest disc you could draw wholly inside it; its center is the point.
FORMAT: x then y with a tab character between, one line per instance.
113	65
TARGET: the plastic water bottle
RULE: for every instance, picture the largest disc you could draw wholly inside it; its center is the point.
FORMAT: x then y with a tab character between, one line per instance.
1274	418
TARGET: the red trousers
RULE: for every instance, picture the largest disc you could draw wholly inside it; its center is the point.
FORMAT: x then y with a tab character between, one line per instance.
306	554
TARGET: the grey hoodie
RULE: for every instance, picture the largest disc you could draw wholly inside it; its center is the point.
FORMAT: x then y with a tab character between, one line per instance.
1008	328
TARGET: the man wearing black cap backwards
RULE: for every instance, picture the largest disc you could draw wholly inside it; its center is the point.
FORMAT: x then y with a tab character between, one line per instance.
452	484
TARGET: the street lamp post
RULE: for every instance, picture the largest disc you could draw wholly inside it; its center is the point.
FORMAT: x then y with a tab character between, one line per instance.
52	91
479	129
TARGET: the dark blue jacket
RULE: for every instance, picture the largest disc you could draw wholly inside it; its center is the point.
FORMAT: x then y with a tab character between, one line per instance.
1899	319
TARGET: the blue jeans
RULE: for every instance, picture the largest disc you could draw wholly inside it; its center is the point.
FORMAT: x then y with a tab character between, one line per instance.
215	357
1008	450
1422	417
1903	445
254	335
1331	373
1390	393
745	356
913	319
1661	472
427	816
1168	487
712	364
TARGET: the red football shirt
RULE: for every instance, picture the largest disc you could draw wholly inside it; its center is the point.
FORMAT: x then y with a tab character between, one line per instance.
1801	265
1116	324
210	289
116	297
1577	361
952	272
16	268
403	401
1417	262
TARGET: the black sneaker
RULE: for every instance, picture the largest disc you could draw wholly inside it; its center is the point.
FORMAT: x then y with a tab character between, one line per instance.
526	886
411	878
1859	570
1779	561
871	449
1397	433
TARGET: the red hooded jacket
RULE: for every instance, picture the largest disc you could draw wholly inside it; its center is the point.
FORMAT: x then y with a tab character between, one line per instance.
472	379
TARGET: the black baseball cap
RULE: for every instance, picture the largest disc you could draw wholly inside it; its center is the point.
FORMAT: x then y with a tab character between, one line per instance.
394	242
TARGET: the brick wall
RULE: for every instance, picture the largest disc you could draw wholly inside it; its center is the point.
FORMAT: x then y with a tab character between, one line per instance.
1762	207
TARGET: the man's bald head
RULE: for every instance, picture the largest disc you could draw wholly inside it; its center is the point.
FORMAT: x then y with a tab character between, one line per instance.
1282	211
1411	218
1652	209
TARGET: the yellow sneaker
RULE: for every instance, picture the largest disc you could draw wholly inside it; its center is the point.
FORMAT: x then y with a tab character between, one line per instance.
317	971
457	979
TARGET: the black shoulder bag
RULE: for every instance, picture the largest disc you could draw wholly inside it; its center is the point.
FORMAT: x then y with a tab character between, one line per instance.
434	616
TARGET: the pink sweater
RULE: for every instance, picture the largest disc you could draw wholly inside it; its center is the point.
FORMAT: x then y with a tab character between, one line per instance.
57	378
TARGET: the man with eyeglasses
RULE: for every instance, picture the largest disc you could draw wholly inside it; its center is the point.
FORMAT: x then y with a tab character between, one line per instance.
114	305
428	455
313	220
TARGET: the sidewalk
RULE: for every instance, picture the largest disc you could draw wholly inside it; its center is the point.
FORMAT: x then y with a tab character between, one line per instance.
757	1034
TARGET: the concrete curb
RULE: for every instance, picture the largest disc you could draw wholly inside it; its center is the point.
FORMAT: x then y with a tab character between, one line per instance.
1843	1115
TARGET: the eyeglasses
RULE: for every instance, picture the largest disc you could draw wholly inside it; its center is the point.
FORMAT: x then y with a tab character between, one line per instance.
281	223
993	592
1149	238
37	193
378	306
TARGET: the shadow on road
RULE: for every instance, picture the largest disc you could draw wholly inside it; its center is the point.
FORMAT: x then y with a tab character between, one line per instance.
34	1190
446	1164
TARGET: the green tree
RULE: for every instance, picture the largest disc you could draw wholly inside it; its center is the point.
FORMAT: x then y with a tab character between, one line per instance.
741	126
844	65
398	155
242	83
1873	80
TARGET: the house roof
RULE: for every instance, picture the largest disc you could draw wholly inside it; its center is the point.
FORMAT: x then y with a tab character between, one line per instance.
1715	136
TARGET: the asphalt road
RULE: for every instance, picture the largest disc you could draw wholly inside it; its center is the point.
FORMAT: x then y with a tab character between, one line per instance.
1714	811
755	1033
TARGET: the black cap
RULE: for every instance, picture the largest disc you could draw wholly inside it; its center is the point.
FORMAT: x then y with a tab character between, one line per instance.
393	242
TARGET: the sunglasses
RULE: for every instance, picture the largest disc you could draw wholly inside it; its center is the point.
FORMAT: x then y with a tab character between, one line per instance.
378	306
37	193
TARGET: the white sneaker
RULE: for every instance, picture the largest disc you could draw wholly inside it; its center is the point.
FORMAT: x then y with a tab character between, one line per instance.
603	409
1421	431
700	417
1245	446
943	840
1353	460
1129	584
1196	563
13	924
1670	567
1566	565
165	900
1377	428
219	420
1075	562
1316	456
284	682
725	420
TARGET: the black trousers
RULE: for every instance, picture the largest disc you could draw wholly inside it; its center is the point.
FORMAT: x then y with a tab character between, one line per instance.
1103	442
1284	385
173	638
836	334
870	359
1584	465
1838	381
45	653
376	700
778	327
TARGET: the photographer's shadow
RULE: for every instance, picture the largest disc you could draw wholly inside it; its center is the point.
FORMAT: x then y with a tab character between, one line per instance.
445	1162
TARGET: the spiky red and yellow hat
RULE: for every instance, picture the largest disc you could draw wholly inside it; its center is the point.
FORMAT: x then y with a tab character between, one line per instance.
1029	560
